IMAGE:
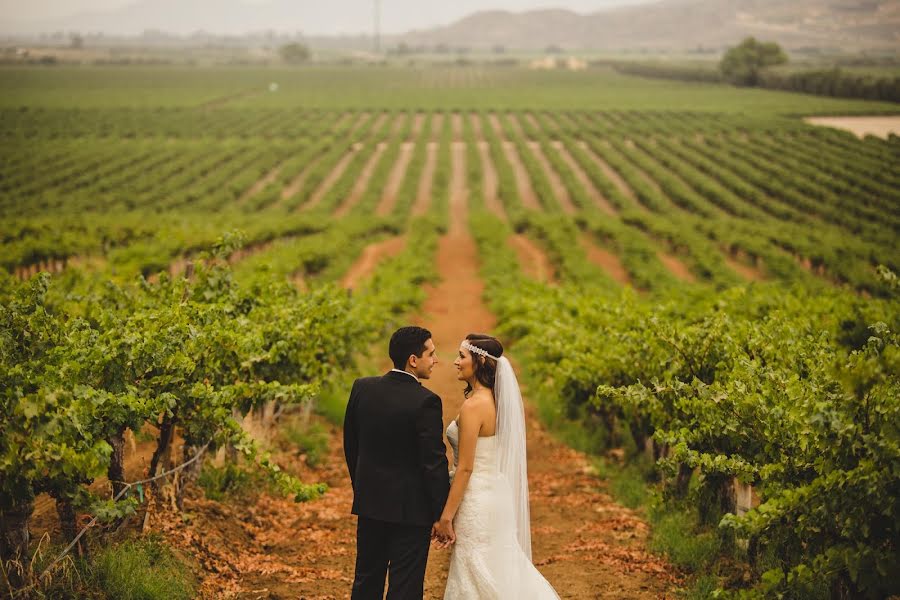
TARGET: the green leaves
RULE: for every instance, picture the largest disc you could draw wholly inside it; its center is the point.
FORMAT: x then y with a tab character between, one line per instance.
770	386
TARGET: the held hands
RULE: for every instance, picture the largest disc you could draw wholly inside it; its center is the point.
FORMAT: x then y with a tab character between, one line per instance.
442	534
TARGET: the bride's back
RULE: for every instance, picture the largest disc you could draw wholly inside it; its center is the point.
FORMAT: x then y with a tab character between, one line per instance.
481	405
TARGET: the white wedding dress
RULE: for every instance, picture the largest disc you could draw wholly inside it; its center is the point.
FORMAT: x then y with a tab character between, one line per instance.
488	562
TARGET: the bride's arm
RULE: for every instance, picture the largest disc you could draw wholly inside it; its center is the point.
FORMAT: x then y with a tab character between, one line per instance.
469	423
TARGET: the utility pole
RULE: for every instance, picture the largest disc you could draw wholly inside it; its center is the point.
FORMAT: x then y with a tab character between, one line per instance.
377	26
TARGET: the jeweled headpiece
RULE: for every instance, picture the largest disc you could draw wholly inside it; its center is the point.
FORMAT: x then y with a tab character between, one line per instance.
475	349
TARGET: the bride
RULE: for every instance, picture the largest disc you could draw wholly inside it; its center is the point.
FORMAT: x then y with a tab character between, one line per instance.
487	511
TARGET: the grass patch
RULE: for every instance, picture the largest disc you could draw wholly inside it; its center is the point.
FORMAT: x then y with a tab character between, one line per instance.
627	483
307	438
229	481
331	402
677	534
143	569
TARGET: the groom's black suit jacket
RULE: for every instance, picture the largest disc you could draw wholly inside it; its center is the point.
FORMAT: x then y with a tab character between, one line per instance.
394	445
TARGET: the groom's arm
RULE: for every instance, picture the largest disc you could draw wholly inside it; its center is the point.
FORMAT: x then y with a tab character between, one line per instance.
351	437
433	453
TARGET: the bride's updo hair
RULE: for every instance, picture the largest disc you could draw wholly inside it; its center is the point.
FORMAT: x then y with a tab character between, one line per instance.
485	368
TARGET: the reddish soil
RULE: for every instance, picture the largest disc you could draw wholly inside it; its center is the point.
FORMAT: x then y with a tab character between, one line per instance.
494	120
369	260
341	121
612	175
48	266
418	123
456	122
423	193
532	121
397	125
491	182
331	178
459	206
379	122
583	542
532	259
260	185
299	181
437	125
606	260
360	121
395	180
556	184
596	197
676	267
739	265
362	182
514	122
268	547
523	182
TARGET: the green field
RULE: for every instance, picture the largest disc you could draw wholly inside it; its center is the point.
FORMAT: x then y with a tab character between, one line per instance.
395	88
716	265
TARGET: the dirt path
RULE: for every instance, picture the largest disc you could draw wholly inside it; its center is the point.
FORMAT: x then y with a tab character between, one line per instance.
368	261
361	120
262	184
379	122
418	123
532	259
331	178
491	182
676	267
596	197
459	206
532	121
583	542
523	182
49	266
606	260
299	181
748	272
423	192
362	181
612	175
456	121
559	188
397	125
437	125
395	180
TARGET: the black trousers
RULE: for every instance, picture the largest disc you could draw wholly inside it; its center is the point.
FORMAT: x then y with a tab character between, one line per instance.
400	551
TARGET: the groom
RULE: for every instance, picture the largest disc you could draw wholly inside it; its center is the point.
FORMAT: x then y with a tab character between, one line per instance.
394	445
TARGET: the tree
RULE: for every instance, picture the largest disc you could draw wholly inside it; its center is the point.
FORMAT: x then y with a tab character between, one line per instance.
76	42
294	53
742	64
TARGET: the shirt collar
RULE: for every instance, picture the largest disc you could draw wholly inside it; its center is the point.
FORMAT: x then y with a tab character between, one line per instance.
405	373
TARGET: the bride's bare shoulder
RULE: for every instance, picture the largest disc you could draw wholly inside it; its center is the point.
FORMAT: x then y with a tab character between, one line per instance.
478	402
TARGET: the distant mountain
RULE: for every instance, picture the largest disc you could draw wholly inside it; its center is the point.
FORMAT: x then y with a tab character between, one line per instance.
680	24
663	25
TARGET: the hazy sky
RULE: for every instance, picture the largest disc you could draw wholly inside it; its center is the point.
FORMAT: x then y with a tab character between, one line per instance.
397	15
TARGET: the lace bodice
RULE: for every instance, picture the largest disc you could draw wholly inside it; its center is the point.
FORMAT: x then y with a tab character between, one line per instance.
485	450
487	562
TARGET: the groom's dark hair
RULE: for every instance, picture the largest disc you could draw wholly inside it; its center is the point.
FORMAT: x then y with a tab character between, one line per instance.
405	342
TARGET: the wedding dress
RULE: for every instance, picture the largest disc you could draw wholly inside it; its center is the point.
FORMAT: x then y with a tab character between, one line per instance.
488	562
